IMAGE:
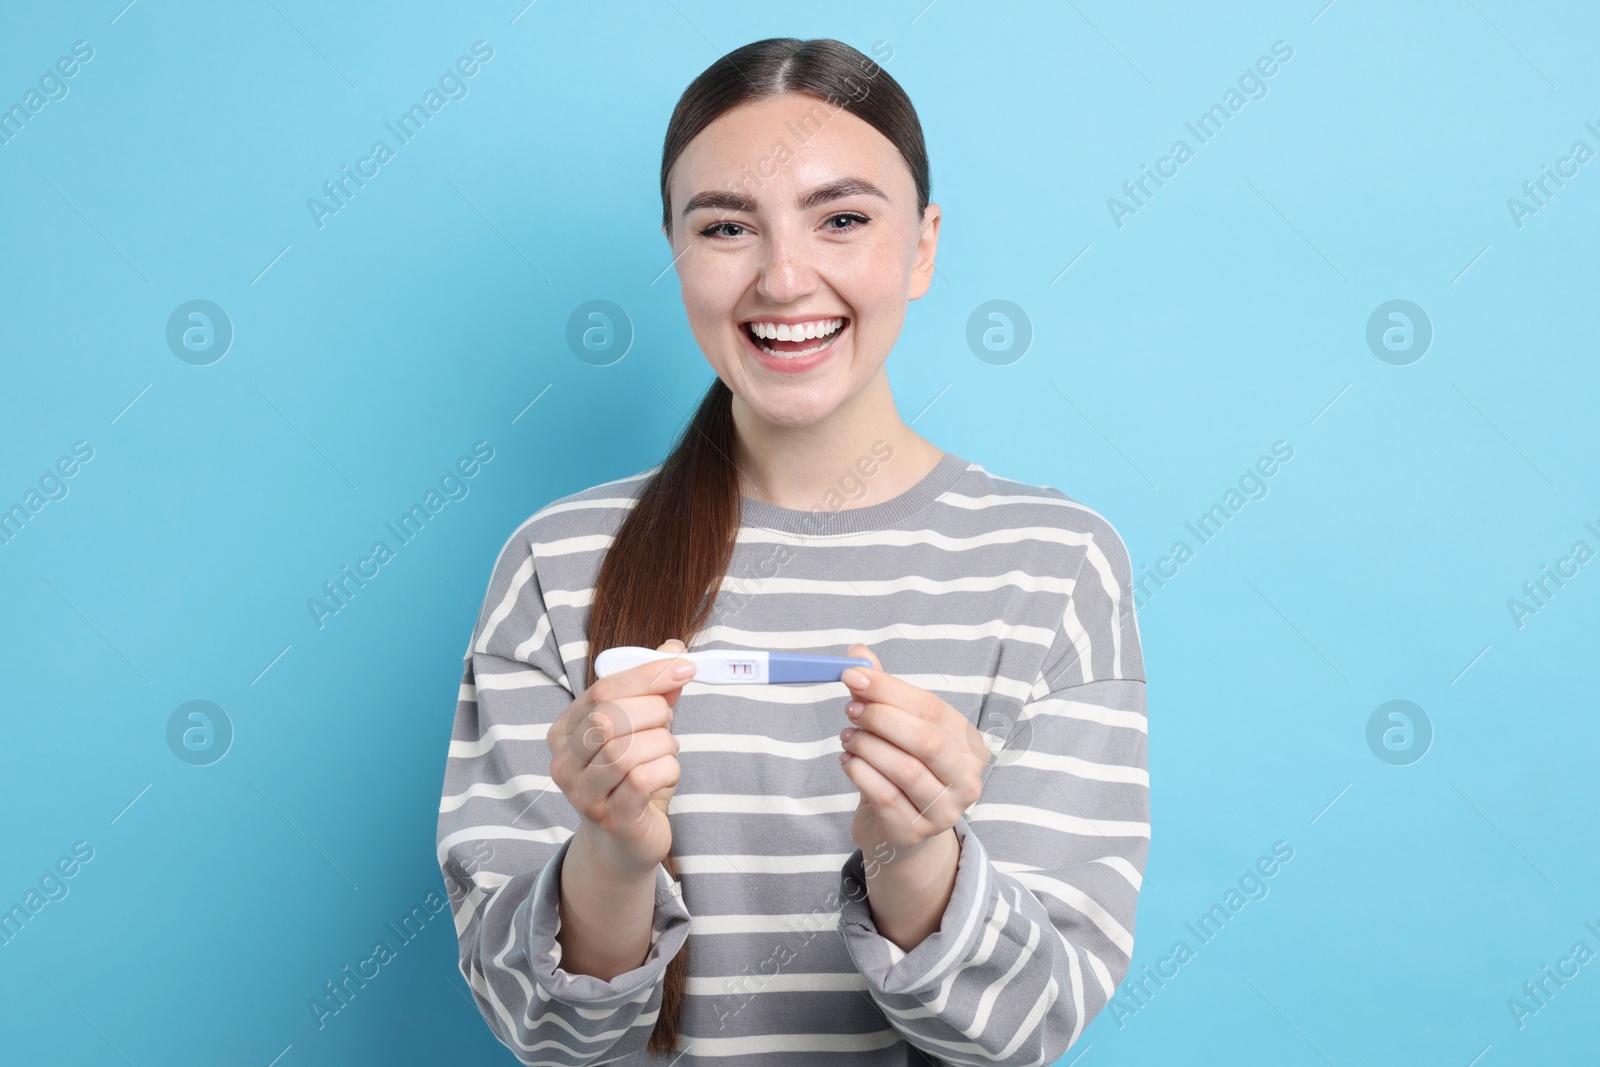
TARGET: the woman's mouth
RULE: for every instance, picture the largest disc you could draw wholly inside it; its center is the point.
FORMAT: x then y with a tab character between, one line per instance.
793	346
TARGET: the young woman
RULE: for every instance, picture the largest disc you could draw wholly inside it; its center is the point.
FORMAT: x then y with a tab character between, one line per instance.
935	859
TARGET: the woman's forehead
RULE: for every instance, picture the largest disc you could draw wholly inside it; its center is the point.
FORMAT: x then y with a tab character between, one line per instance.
779	150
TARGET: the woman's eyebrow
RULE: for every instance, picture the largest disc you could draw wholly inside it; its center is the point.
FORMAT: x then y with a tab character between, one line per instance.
834	190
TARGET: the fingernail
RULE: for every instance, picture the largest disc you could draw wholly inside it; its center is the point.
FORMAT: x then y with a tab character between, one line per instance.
853	678
844	757
847	733
683	670
854	709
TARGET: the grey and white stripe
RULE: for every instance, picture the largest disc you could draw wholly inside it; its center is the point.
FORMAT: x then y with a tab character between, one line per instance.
1012	602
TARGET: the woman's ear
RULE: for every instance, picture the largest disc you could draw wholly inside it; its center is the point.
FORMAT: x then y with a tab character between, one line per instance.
927	246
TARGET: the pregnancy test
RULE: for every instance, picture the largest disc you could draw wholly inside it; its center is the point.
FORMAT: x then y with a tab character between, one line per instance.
728	666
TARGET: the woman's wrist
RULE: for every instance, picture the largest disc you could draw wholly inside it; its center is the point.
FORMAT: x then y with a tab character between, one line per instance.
606	909
613	861
909	889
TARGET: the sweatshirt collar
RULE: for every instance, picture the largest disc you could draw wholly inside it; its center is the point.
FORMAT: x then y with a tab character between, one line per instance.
879	516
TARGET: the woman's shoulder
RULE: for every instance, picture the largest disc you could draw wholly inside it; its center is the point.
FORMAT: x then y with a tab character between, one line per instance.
1083	543
1013	502
597	510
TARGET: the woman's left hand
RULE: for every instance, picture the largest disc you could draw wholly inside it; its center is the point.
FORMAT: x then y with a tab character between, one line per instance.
917	761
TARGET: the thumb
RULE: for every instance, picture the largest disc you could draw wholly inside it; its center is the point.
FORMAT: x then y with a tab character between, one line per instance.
672	645
860	651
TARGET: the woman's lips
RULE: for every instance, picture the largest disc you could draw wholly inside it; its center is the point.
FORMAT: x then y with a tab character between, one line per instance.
793	364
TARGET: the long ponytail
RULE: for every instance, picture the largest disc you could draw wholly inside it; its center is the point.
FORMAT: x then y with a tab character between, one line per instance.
688	511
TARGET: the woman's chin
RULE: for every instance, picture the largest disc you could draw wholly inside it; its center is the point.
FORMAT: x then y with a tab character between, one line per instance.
790	417
791	408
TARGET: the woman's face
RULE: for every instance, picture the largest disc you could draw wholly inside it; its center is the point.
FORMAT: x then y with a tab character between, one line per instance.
800	218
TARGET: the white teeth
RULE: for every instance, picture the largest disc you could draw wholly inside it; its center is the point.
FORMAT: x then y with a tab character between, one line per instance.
824	329
798	332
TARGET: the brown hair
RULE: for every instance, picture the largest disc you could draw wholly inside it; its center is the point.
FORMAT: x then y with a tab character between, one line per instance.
688	511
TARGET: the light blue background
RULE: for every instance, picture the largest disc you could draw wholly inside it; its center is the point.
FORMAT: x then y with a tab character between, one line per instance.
1227	314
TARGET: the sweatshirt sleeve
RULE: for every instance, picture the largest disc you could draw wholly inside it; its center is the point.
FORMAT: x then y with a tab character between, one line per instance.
504	828
1039	928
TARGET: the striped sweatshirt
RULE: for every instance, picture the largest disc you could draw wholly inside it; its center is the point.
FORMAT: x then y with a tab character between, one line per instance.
1011	602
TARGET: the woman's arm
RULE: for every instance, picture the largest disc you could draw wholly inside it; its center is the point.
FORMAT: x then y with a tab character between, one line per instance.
909	890
605	912
1038	927
505	832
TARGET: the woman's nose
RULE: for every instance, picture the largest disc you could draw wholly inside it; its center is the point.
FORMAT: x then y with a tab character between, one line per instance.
786	271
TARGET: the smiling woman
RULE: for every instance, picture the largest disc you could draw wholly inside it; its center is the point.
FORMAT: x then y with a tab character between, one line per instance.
835	872
835	243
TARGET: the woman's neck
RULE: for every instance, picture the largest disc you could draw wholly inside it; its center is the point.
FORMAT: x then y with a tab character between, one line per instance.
864	458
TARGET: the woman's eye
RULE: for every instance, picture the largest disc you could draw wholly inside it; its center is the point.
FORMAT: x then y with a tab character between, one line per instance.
715	227
844	222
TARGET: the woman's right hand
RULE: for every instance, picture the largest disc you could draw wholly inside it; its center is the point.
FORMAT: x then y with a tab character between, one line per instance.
613	754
